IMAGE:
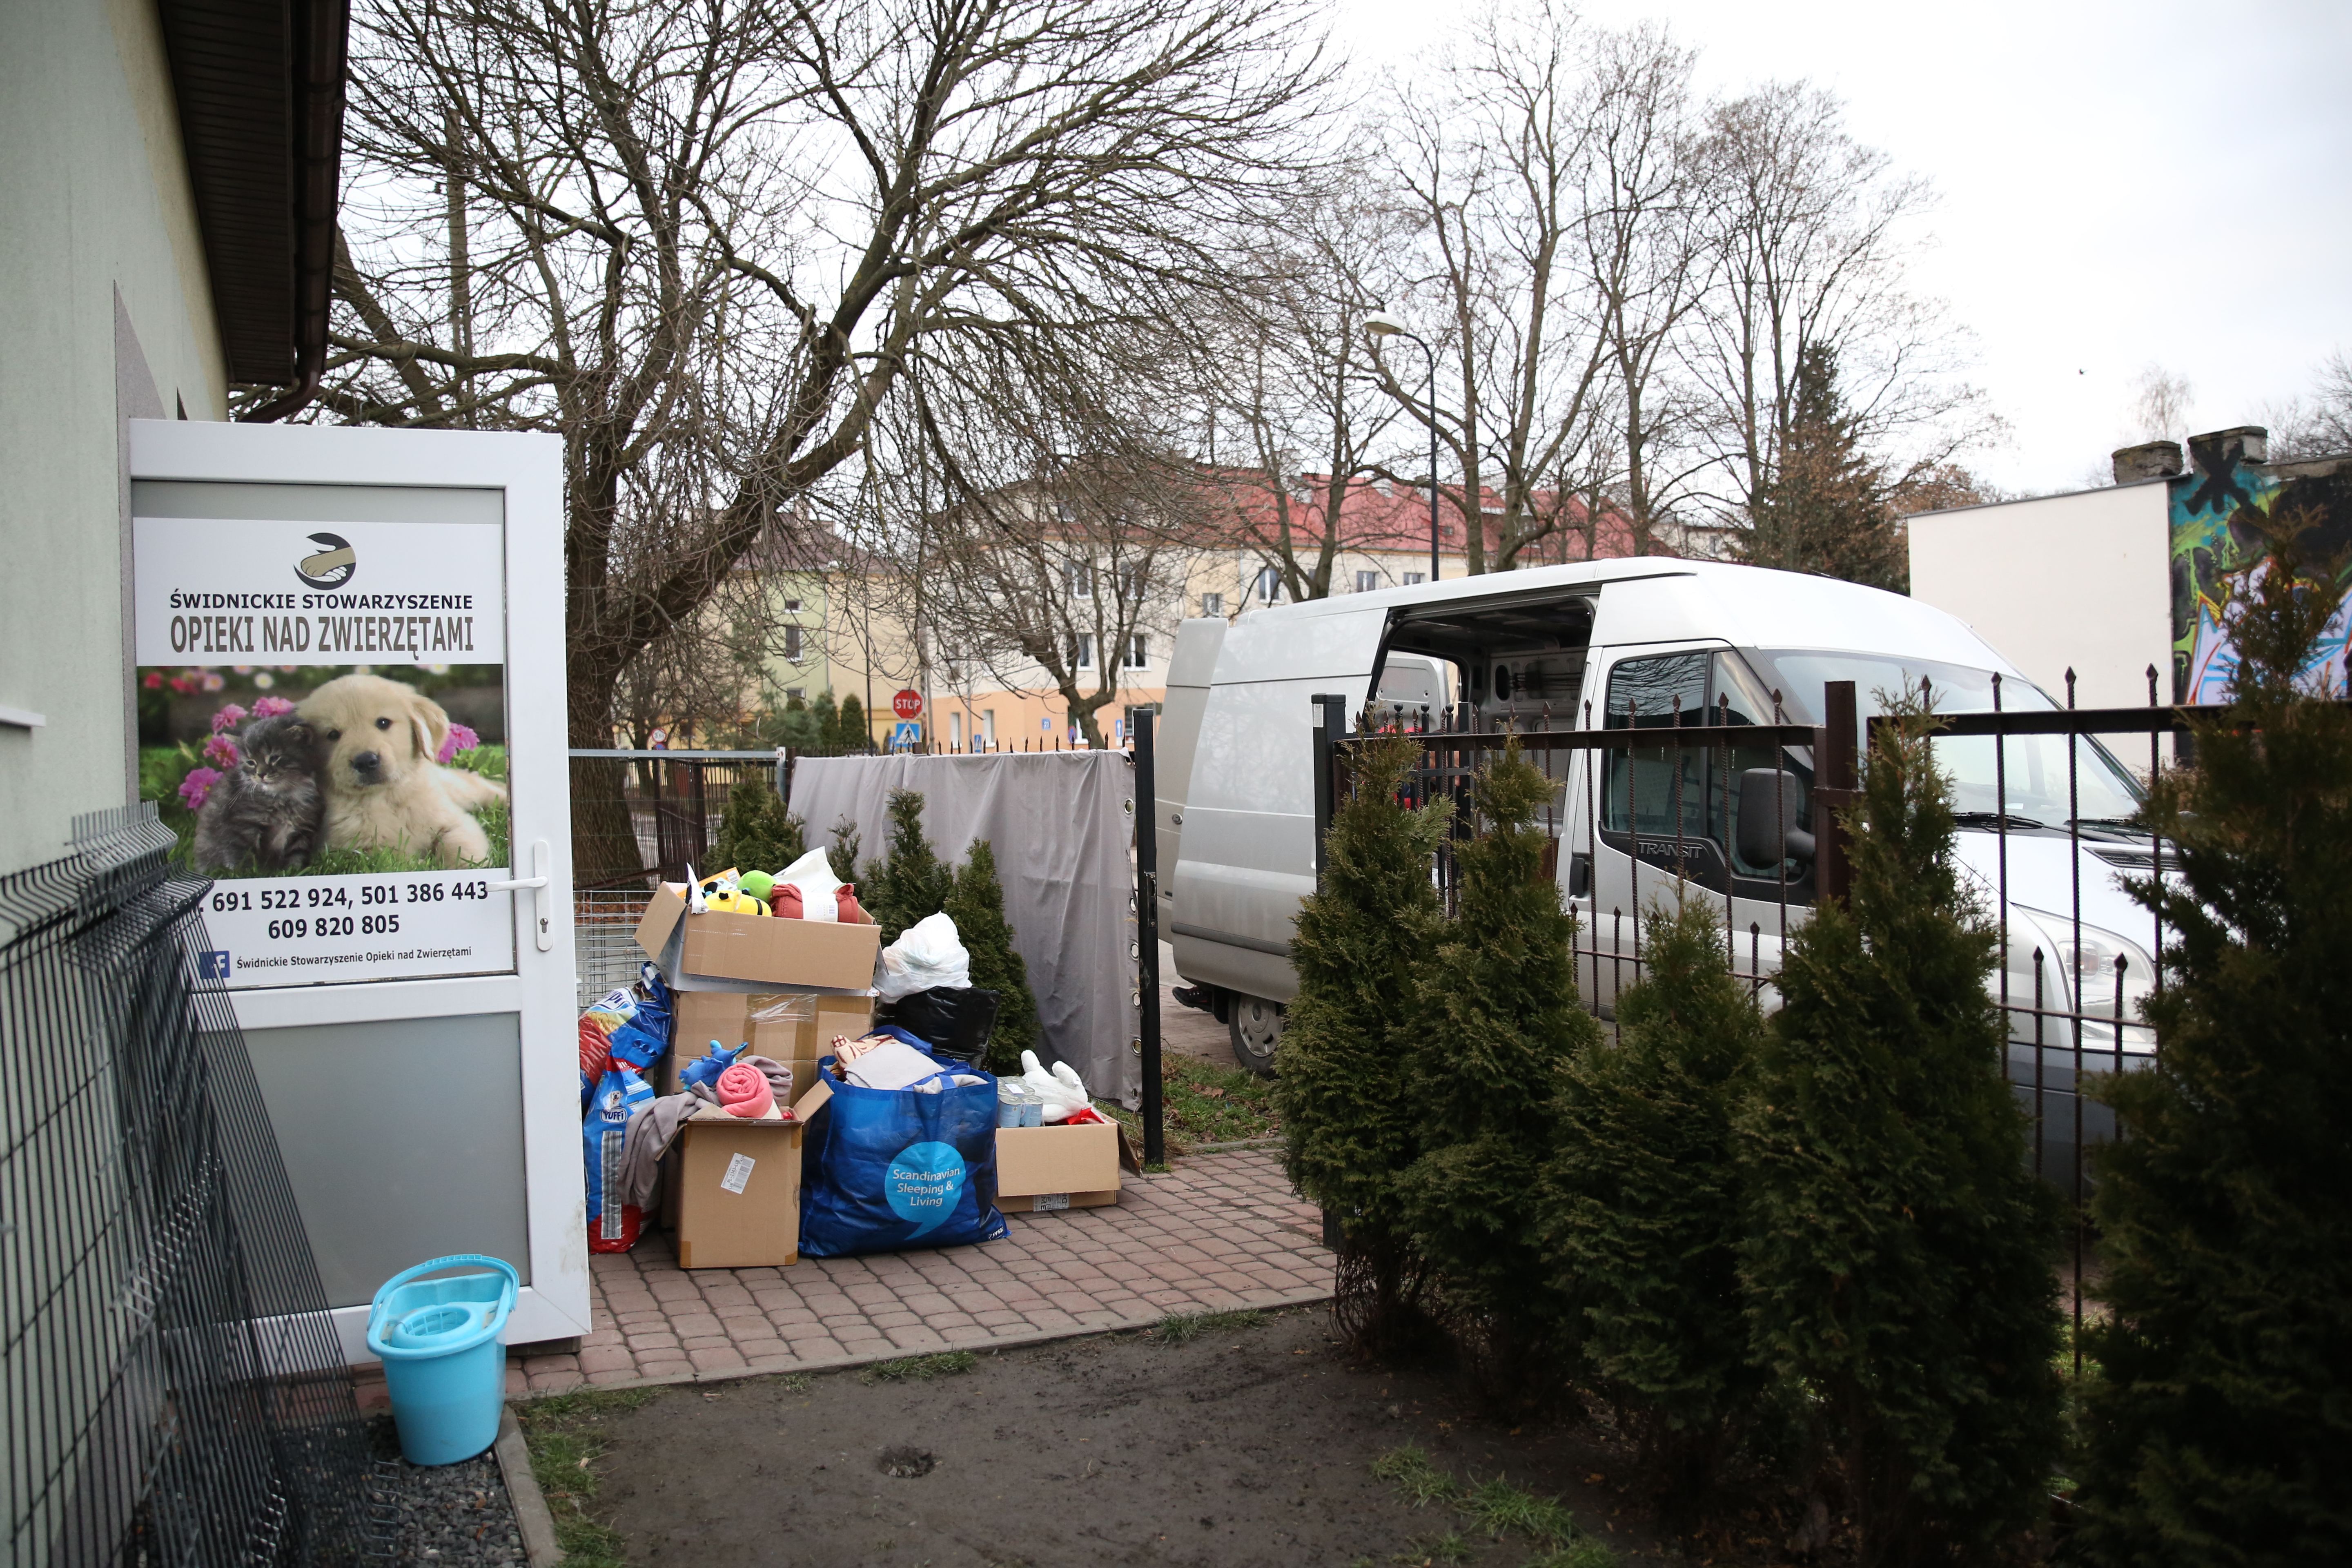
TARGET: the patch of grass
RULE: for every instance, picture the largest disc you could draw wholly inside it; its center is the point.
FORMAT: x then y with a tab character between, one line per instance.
1202	1102
1420	1552
795	1383
1183	1328
1499	1508
559	1432
1495	1507
918	1368
1409	1471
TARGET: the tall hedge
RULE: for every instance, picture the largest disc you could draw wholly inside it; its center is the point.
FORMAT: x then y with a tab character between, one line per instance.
976	904
1349	1116
1642	1204
909	882
2218	1426
1497	1030
756	833
1899	1253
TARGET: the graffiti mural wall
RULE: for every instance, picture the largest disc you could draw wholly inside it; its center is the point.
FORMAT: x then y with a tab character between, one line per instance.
2219	510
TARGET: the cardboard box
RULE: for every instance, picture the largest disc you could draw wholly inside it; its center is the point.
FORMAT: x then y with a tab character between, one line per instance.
1044	1168
731	1017
736	1187
754	953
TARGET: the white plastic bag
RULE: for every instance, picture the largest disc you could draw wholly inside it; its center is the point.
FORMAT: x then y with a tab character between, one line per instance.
928	954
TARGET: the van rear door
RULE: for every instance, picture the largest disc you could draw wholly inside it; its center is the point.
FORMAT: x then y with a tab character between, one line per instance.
1249	851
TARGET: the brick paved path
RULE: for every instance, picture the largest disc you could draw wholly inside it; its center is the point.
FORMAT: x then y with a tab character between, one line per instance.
1222	1231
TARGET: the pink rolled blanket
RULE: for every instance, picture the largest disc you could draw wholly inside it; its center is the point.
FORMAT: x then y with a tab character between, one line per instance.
745	1091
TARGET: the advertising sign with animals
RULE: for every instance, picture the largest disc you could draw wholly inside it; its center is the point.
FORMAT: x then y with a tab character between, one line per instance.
322	722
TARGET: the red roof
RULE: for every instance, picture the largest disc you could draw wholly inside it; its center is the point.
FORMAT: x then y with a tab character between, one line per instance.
1377	515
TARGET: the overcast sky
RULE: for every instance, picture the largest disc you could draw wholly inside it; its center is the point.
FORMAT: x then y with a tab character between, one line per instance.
2162	183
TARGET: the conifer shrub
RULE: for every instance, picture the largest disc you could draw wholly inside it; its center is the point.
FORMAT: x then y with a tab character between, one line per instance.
842	853
909	882
756	833
1643	1216
1497	1026
1347	1112
1899	1254
2218	1429
976	904
851	737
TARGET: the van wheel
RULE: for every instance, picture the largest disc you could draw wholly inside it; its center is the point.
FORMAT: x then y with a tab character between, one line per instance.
1257	1030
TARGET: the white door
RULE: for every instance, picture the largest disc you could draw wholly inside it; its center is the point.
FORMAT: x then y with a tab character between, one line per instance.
404	982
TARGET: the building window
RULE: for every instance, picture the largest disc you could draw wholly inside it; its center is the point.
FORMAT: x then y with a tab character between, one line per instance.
793	644
955	730
1269	586
1213	605
1132	583
1410	578
1081	651
1138	652
1367	581
988	727
1080	580
791	606
795	693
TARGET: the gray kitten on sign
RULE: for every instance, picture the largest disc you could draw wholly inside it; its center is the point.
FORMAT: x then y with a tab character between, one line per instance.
268	811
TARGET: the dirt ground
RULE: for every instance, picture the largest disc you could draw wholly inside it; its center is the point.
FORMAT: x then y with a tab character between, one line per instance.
1249	1445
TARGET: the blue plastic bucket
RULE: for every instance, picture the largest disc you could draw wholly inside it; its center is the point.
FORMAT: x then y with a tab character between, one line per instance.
441	1360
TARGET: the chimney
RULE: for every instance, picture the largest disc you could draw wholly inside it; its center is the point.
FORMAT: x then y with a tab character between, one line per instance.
2148	460
2222	450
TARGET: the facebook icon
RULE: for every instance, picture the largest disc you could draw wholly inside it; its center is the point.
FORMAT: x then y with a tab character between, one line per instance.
212	966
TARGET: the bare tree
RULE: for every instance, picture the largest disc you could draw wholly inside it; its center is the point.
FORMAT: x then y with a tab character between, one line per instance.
2322	427
1809	248
1293	384
705	243
1491	167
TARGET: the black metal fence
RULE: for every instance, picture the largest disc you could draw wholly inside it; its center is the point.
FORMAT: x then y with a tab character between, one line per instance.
638	814
172	1389
1699	802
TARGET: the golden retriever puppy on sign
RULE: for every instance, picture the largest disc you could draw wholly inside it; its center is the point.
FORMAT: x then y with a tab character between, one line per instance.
384	788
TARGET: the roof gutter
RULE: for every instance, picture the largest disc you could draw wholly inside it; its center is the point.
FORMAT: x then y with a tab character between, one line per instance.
322	30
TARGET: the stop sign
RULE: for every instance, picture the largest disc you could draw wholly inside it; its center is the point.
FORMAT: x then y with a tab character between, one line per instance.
908	704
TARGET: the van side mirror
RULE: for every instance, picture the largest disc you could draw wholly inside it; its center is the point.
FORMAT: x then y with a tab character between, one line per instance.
1769	833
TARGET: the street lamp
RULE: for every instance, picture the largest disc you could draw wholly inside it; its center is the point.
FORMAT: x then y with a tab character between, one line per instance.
1379	324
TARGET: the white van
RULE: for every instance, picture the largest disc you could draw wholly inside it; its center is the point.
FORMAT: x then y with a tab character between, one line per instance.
1606	644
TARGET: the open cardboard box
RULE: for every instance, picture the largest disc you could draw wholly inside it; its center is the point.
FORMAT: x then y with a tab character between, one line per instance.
1061	1167
731	1017
736	1186
750	953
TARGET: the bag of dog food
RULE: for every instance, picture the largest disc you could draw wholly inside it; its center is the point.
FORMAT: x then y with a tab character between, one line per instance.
630	1024
604	1134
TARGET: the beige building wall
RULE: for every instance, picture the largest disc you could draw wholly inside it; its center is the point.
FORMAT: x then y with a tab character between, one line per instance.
107	314
2080	582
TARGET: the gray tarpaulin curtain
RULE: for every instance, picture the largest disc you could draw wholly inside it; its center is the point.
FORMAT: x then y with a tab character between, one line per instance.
1061	823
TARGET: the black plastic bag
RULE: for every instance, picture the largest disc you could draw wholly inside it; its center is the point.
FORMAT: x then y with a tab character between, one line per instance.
956	1022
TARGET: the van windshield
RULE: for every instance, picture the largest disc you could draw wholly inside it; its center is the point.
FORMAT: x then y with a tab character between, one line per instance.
2105	793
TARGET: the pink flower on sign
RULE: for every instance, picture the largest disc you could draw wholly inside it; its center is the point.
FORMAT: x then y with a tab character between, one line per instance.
461	738
222	750
228	718
214	680
272	707
152	680
198	786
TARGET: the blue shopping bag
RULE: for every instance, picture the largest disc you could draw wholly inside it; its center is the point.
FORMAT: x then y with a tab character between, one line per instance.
890	1169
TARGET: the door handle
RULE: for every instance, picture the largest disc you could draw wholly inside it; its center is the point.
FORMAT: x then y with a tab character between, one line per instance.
542	898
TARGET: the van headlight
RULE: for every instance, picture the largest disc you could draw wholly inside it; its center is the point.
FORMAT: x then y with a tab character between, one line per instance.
2105	964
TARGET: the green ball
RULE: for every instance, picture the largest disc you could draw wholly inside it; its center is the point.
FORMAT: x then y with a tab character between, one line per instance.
759	884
